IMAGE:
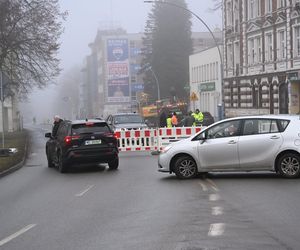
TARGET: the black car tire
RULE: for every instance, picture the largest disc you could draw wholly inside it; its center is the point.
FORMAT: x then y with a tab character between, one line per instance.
50	161
185	167
62	168
289	165
114	164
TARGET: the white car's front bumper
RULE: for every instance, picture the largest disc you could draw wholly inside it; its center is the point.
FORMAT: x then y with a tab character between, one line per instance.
164	162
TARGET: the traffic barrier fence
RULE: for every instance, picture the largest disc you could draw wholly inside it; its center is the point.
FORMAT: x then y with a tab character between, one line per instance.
154	139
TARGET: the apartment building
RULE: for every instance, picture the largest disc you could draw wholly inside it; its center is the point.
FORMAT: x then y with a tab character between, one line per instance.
205	80
111	81
261	56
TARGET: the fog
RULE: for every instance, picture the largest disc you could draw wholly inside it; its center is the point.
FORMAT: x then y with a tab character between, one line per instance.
85	17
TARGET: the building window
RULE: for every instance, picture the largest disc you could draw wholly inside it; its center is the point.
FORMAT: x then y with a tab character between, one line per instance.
281	3
229	13
251	51
253	9
229	56
281	44
269	47
258	50
268	6
297	41
236	53
254	50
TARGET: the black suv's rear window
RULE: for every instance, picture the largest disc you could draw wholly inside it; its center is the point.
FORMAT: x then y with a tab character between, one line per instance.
89	128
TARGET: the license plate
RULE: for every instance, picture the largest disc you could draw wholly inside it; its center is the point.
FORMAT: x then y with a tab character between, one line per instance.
92	142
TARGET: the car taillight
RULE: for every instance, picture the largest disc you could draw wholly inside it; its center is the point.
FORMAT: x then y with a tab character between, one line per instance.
109	134
68	139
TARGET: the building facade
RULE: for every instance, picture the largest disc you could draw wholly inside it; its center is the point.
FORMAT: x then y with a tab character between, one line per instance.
205	80
110	76
261	57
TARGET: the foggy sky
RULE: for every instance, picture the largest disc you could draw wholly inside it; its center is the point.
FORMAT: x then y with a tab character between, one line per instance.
85	17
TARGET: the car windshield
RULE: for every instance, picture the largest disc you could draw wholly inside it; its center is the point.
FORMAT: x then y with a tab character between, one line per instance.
121	119
89	128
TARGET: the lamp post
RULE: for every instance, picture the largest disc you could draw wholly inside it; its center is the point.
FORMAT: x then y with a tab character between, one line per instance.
201	20
146	68
2	106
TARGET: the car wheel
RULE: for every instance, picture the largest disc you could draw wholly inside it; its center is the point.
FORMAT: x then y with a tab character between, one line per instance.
113	164
185	167
50	161
289	165
62	168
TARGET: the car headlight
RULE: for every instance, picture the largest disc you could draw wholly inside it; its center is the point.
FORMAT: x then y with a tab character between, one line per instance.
166	149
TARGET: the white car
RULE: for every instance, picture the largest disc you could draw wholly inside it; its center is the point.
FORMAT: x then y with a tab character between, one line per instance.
251	143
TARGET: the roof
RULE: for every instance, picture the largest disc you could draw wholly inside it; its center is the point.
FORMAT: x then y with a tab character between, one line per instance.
279	116
88	120
137	114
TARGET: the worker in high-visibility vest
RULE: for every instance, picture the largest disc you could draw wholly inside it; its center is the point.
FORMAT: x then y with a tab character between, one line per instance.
174	120
198	117
169	121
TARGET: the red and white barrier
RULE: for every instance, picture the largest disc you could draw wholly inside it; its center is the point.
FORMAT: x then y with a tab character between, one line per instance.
169	135
152	139
137	140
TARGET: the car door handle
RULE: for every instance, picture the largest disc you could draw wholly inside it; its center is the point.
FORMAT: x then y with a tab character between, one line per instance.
232	142
274	137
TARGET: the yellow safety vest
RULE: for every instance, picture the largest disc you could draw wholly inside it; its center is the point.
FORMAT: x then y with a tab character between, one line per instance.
169	122
198	118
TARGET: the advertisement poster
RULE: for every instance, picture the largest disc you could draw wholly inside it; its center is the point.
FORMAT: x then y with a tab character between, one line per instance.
118	90
117	70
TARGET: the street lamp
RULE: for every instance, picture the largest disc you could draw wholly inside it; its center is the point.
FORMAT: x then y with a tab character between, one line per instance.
149	67
2	106
201	20
146	68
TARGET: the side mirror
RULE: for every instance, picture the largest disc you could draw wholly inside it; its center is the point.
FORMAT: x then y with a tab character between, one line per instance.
48	135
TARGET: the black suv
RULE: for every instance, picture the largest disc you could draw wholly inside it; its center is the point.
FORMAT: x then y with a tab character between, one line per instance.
82	141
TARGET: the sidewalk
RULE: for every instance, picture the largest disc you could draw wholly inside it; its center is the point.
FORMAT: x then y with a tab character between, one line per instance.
17	140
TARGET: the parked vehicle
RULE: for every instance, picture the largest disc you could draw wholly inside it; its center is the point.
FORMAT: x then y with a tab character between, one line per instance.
208	119
82	141
126	121
252	143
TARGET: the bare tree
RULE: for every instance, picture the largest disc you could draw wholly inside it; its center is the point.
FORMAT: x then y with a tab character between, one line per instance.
29	34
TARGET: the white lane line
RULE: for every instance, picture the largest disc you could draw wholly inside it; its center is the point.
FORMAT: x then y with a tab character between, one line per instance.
203	186
216	229
15	235
84	191
214	197
212	184
217	211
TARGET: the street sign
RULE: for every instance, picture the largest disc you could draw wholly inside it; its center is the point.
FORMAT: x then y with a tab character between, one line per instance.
194	97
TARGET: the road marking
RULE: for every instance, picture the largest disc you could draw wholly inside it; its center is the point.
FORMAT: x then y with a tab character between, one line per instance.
217	211
216	229
203	186
214	197
15	235
212	184
84	191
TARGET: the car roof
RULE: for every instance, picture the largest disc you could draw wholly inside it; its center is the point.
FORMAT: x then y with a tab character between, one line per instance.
126	114
279	116
83	121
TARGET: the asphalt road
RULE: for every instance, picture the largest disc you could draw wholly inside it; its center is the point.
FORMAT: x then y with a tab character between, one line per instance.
136	207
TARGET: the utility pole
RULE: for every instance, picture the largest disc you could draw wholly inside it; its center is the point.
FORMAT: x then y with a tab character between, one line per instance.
2	106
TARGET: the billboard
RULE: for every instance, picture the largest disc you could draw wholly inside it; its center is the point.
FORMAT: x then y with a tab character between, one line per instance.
117	70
